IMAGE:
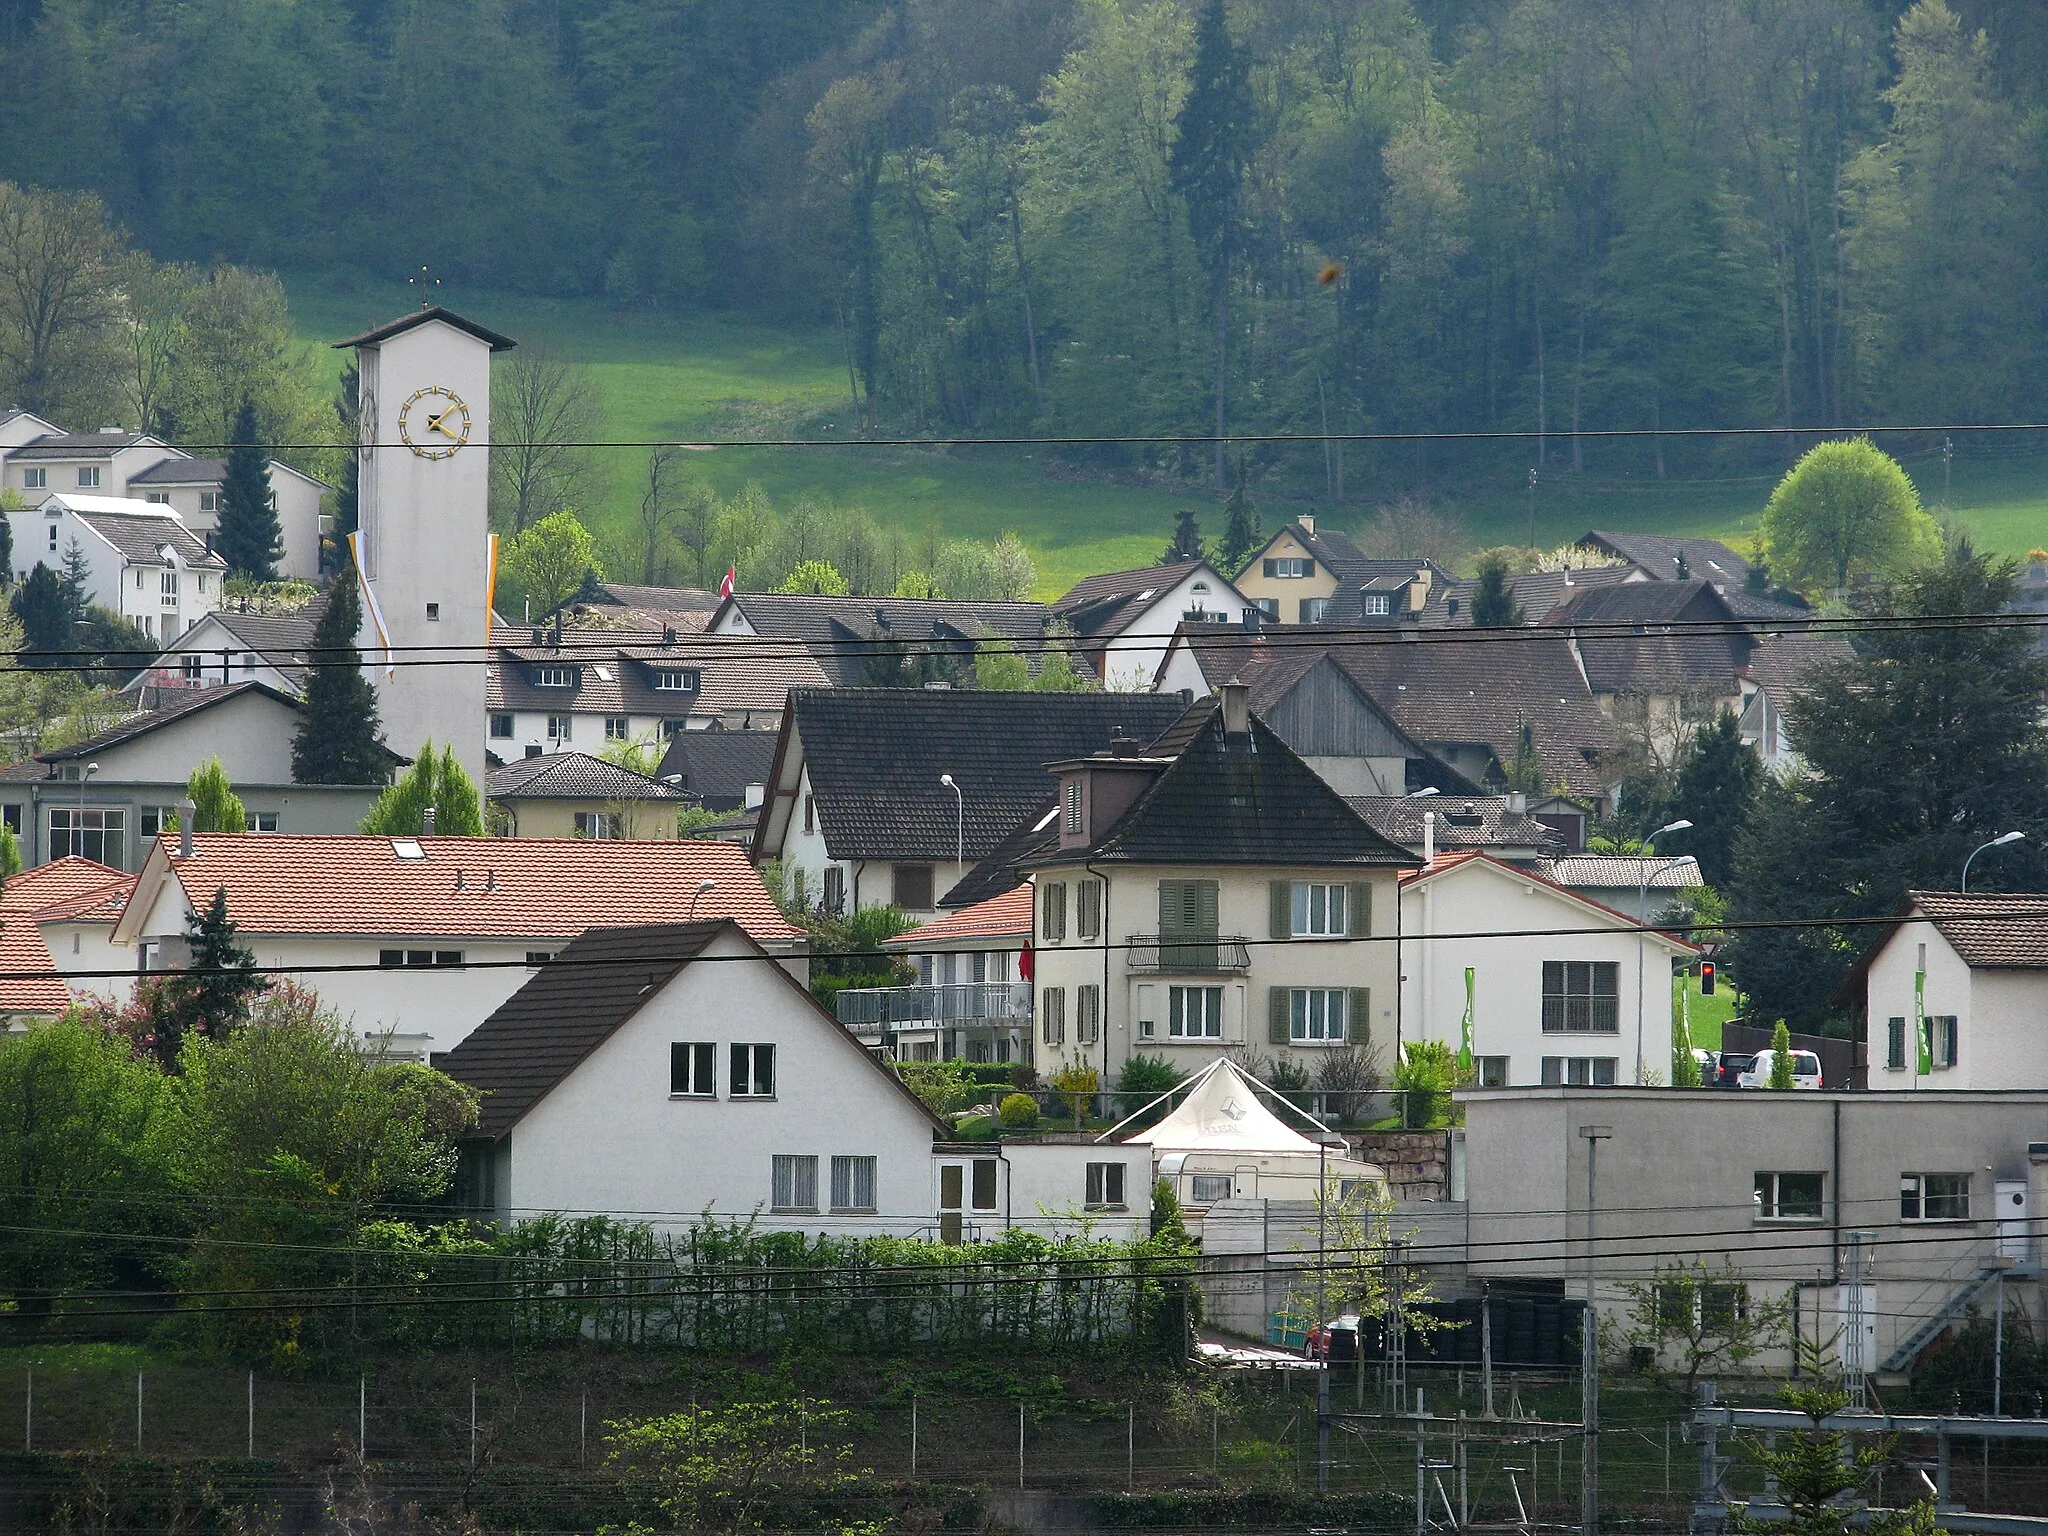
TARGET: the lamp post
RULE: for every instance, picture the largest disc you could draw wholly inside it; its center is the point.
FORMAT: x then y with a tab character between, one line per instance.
1642	922
78	830
1999	841
1589	1343
959	820
702	887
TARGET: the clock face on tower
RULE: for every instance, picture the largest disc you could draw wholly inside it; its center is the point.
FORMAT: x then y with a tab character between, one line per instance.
434	422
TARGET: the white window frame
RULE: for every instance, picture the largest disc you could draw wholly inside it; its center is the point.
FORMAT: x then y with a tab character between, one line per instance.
618	727
751	1081
1771	1201
1581	1071
673	679
1915	1197
1316	1016
561	727
209	501
1319	911
88	477
554	677
1377	604
35	479
502	726
1105	1187
1490	1071
260	821
793	1183
699	1073
853	1177
1207	1022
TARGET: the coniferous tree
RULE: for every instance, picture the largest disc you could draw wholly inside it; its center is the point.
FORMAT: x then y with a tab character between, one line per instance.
77	597
337	740
1241	534
1187	539
45	613
348	406
438	781
213	994
6	545
249	536
1493	604
1717	785
215	805
1210	152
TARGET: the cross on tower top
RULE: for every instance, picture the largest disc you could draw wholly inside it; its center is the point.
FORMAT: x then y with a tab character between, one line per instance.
426	285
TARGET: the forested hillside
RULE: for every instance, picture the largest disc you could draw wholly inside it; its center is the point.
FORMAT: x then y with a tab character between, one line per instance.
1107	217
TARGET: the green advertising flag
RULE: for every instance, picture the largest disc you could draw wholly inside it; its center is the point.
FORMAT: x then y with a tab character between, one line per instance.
1465	1028
1685	1012
1923	1047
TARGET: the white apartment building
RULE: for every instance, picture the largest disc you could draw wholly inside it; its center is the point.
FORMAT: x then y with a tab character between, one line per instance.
141	561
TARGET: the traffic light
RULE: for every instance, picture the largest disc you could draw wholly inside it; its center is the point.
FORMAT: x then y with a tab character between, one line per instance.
1706	978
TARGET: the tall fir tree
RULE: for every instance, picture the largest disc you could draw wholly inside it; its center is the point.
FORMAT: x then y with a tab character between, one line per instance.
1717	786
1493	602
1187	539
45	613
212	995
77	573
1241	533
249	536
348	406
337	740
1210	152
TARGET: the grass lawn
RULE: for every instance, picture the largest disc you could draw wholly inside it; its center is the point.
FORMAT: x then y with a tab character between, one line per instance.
713	377
1707	1014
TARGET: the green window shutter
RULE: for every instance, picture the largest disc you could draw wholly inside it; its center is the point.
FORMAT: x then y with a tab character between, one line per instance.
1358	1016
1360	910
1276	1015
1281	902
1205	905
1173	899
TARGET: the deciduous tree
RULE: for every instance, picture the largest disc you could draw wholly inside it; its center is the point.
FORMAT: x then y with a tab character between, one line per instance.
1846	508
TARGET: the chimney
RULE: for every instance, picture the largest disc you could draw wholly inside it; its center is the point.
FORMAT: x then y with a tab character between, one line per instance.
1518	803
537	637
427	822
188	812
558	629
1237	709
668	635
1428	838
1308	523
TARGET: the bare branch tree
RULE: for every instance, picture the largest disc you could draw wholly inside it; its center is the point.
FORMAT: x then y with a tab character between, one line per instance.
541	407
658	509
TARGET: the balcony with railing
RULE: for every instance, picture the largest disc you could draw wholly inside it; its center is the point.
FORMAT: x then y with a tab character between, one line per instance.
1179	954
867	1009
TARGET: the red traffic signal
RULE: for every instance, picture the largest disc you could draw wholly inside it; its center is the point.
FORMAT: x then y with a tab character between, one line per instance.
1706	978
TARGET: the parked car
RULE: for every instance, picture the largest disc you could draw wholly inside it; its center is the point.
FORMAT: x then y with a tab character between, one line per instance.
1336	1340
1710	1065
1729	1067
1805	1070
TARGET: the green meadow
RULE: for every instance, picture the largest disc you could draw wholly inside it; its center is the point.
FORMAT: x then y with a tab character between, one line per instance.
713	377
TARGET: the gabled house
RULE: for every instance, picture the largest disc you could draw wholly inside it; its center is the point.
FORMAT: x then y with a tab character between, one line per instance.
141	561
1639	886
1535	593
563	689
858	805
1126	620
1560	989
231	645
1661	557
571	794
105	798
1307	575
1209	893
430	934
1426	825
720	770
192	488
1967	974
31	976
858	640
972	997
677	1070
622	605
1474	705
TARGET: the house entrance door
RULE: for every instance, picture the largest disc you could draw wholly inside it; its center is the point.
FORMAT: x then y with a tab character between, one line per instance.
952	1198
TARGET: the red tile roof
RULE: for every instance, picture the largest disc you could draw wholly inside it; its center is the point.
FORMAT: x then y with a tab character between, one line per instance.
480	887
28	979
1007	916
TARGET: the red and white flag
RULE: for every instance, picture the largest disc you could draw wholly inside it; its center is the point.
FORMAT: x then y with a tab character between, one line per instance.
732	574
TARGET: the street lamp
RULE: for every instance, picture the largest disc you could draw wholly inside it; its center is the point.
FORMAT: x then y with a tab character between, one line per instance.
959	819
1423	794
1643	921
1589	1337
702	887
1997	842
78	830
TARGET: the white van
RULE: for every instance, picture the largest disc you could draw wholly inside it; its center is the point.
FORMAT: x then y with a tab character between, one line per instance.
1805	1070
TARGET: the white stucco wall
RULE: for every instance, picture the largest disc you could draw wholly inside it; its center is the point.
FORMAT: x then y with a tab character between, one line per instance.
1482	899
1048	1189
1131	660
299	499
611	1139
87	947
1999	1016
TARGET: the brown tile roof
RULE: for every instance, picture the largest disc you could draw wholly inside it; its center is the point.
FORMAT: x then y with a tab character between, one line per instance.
1105	604
1990	932
1007	916
1538	592
546	1029
839	631
735	675
574	776
1659	555
28	980
1655	636
1462	821
77	445
479	887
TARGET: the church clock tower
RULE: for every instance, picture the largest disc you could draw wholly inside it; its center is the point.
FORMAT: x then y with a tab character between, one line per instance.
424	526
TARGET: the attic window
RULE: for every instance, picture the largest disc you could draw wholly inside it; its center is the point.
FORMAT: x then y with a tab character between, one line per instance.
407	848
554	677
674	679
604	673
1378	602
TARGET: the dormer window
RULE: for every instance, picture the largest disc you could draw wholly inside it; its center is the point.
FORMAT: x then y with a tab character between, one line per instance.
674	679
1379	603
554	677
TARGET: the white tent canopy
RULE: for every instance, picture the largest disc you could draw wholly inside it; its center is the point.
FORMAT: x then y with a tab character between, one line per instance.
1223	1112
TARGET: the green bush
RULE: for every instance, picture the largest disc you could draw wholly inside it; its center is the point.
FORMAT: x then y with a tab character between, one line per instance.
1143	1079
1425	1077
941	1084
1018	1112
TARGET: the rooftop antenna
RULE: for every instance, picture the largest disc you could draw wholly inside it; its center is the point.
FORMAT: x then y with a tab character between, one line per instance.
426	285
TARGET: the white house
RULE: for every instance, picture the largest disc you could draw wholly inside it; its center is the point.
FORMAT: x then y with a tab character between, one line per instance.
33	986
972	997
141	561
1553	998
1969	975
37	459
192	488
431	934
1126	620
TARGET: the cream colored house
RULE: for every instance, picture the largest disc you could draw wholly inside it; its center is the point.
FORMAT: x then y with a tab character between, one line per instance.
1210	895
1307	576
569	794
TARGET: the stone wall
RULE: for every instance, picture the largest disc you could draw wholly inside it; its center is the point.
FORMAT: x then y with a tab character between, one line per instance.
1418	1163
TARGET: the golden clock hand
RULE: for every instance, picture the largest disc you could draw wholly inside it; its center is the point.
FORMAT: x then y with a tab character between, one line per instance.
440	424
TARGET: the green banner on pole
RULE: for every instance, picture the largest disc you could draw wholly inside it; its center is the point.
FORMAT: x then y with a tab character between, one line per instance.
1465	1027
1923	1046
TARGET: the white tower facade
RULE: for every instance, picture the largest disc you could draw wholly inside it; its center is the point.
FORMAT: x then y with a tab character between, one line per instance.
423	509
